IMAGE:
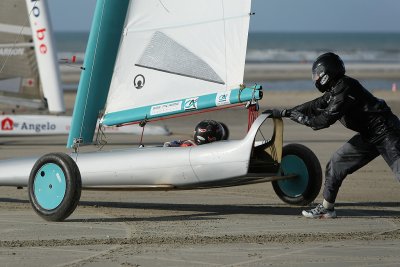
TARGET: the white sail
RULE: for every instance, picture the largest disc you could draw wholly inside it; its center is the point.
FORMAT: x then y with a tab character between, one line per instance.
29	72
173	50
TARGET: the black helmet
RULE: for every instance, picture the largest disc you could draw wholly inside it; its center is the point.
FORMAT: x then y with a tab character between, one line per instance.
208	131
225	135
326	69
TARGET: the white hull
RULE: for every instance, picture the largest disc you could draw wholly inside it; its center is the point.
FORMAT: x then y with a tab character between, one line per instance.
151	166
164	166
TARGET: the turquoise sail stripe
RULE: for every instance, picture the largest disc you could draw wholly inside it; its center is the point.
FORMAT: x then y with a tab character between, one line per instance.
181	106
100	57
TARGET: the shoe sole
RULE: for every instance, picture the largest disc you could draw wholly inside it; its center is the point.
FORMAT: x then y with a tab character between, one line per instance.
322	216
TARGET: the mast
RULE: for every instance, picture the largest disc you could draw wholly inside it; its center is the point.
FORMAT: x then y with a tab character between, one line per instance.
100	55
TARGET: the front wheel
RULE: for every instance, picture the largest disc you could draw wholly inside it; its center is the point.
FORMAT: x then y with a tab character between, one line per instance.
302	190
54	186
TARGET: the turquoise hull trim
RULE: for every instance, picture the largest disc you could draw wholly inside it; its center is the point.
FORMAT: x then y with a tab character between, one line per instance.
292	164
182	106
100	56
49	186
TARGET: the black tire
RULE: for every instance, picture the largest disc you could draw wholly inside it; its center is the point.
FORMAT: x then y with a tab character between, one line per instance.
226	131
54	186
301	191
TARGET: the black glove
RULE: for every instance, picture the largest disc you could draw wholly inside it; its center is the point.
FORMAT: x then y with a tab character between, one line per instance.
286	112
276	113
299	117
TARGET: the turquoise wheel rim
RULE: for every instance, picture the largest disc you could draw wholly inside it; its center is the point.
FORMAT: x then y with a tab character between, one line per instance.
49	186
295	187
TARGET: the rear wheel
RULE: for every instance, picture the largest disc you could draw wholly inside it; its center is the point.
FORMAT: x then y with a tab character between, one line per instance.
54	186
299	160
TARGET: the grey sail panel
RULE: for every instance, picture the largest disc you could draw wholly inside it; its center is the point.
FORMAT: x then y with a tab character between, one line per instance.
13	12
166	55
19	77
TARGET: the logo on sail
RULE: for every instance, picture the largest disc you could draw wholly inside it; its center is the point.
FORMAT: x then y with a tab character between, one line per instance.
12	51
191	103
166	108
223	99
39	29
139	81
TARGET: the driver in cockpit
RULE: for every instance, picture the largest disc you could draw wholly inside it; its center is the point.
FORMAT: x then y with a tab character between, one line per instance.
206	131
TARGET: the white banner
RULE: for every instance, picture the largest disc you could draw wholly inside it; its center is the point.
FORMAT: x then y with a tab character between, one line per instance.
14	125
34	124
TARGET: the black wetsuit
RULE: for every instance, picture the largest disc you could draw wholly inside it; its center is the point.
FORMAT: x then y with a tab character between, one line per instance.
357	109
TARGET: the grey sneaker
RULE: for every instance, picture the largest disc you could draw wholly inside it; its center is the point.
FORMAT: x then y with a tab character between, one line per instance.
319	212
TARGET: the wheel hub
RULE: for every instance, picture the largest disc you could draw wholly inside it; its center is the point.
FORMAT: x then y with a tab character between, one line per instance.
49	186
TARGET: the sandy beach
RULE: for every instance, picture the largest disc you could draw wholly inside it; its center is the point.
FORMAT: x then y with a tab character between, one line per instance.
237	226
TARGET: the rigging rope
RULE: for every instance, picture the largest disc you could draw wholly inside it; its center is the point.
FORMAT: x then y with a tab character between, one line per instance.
252	114
101	139
142	124
253	108
141	137
226	64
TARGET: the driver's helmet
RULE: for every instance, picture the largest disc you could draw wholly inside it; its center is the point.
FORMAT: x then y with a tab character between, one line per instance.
327	69
208	131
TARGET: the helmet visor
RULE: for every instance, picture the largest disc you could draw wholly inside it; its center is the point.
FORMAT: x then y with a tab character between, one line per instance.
315	76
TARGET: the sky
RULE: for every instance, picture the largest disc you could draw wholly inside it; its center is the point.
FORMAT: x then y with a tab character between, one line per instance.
271	15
